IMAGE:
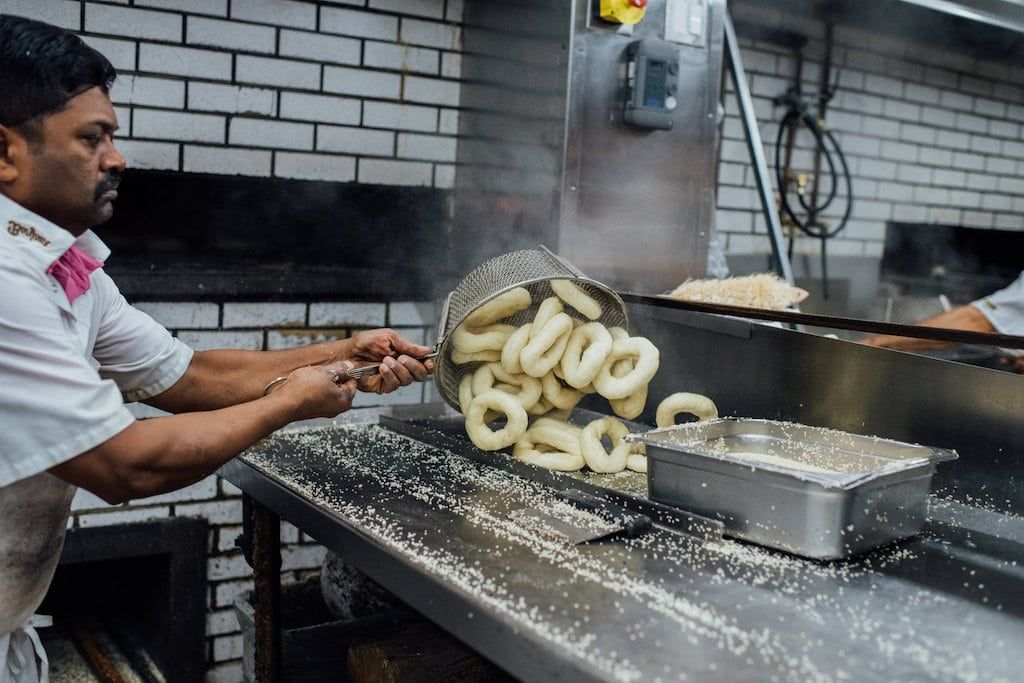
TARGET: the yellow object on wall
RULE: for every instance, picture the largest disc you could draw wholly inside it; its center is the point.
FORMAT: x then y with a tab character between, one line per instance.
623	11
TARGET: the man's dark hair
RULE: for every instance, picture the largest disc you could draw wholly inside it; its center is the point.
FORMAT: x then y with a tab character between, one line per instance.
42	67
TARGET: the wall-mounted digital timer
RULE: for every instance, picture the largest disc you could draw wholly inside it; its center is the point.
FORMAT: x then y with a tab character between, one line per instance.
652	72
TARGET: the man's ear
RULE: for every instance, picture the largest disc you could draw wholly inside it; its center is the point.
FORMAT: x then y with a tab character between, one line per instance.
9	151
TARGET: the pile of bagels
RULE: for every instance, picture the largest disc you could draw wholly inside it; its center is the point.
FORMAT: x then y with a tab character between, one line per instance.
540	371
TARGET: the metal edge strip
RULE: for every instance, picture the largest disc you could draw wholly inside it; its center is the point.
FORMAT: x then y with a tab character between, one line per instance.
669	517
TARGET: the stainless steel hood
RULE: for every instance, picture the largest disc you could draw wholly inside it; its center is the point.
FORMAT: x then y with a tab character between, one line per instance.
989	29
1006	14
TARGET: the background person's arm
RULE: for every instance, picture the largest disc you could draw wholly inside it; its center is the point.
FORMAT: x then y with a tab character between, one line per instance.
966	318
163	454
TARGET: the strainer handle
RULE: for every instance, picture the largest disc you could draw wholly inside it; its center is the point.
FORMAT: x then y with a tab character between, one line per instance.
443	322
568	266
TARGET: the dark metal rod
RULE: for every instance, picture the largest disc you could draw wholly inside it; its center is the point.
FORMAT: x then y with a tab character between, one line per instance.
756	149
105	670
1006	341
266	555
823	96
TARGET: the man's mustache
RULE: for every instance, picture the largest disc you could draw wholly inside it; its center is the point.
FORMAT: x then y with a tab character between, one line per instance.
111	182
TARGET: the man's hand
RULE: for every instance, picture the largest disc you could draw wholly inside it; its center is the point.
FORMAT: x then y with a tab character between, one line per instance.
315	391
1016	364
397	356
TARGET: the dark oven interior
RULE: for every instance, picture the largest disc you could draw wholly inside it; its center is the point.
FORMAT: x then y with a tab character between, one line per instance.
131	599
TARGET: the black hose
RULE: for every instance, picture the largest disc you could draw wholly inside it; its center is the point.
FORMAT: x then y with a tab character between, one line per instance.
831	151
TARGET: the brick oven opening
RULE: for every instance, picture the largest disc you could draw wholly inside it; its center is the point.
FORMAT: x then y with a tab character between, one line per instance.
192	236
129	603
925	260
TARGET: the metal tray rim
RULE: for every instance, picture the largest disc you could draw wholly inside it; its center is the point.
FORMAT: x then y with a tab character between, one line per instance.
930	455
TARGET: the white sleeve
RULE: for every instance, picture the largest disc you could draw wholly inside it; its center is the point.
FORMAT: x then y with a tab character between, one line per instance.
53	404
1005	308
135	351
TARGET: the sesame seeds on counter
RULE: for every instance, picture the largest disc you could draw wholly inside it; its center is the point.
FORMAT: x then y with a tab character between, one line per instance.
659	607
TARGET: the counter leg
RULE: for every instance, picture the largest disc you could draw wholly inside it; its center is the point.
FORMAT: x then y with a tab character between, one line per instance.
263	527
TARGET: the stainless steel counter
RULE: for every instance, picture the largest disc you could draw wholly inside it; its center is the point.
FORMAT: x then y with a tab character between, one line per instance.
432	527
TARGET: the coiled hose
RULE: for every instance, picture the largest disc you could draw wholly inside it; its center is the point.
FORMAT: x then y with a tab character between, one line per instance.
826	144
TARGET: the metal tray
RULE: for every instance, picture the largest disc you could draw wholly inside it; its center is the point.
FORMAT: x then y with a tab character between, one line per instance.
815	492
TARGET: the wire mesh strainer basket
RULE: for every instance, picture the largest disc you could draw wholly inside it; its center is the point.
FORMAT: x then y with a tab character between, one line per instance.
532	269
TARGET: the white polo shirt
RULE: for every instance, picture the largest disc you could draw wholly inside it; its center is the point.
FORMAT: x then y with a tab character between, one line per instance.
66	370
1005	308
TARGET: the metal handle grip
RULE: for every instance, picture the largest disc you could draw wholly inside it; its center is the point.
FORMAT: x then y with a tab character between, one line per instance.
371	370
633	523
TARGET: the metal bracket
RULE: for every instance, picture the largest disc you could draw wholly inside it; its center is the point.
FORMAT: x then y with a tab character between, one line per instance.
756	148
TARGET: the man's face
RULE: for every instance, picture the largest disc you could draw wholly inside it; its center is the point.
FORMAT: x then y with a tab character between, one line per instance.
70	174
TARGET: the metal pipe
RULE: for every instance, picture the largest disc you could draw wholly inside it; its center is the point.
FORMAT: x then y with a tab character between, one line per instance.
1005	341
823	98
756	149
99	662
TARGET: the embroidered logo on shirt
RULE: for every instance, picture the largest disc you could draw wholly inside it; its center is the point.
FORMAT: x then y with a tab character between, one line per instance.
28	231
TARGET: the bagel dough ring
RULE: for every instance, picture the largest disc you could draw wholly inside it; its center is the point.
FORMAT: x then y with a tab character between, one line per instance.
571	294
585	354
546	348
618	333
644	369
557	372
558	414
560	424
557	394
637	462
526	389
465	393
513	348
473	340
502	306
460	358
466	396
541	407
702	407
547	310
594	453
560	436
482	435
633	405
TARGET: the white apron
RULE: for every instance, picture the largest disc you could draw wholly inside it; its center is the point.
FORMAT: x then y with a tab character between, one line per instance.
22	654
34	513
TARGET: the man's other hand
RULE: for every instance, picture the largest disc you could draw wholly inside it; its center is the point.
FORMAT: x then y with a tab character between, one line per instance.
317	392
397	357
1016	364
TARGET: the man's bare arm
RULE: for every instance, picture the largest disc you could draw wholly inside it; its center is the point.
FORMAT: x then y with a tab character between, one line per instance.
966	318
226	377
163	454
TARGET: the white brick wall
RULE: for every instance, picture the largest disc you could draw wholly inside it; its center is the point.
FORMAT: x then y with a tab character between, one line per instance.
930	135
255	82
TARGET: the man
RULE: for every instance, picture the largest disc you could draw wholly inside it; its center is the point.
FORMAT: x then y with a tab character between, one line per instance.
72	350
1001	312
